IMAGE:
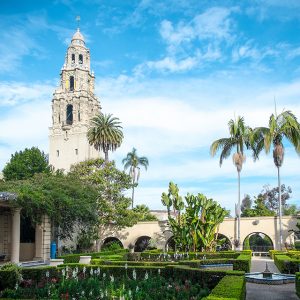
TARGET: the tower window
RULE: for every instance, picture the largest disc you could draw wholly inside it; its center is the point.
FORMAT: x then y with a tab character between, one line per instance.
73	58
78	116
71	83
80	58
69	119
57	153
76	151
59	118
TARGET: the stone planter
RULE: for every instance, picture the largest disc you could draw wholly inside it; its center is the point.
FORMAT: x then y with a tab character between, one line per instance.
85	260
56	262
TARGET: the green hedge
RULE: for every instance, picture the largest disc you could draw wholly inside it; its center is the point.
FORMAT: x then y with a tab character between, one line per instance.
242	263
272	253
192	255
100	262
298	284
229	287
286	264
297	245
74	258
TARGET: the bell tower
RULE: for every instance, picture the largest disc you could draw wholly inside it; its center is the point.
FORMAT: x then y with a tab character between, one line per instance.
73	105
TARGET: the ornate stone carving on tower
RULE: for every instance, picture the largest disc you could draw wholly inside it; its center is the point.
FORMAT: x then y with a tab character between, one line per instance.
73	105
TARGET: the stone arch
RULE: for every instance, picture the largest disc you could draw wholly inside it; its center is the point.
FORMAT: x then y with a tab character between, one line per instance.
110	240
72	83
170	244
69	114
142	243
227	245
261	242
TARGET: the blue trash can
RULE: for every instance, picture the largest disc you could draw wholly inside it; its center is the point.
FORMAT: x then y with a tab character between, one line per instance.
53	250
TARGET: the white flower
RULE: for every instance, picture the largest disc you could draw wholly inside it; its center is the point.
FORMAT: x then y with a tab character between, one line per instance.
129	293
112	279
74	274
137	289
159	271
84	270
104	275
126	266
82	293
90	293
63	271
47	274
16	286
146	275
91	272
98	271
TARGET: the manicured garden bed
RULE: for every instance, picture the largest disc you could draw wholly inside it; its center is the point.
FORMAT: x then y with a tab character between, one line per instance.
287	262
109	277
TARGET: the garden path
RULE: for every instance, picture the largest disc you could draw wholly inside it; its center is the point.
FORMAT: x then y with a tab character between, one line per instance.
268	292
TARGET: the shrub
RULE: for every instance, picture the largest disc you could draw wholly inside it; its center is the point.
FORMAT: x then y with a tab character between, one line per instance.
297	245
242	263
272	253
298	284
74	258
229	287
9	276
286	264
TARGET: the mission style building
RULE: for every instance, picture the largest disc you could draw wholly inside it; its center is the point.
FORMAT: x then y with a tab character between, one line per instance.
73	105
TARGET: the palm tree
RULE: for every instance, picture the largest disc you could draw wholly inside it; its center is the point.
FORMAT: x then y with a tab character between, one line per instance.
132	161
239	139
105	133
284	125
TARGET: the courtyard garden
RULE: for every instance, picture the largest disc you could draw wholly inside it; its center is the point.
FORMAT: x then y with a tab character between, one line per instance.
122	275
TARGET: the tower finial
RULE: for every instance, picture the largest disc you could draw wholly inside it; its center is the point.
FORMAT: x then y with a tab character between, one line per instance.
78	22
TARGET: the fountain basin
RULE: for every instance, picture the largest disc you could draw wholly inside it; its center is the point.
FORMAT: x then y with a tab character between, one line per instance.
277	278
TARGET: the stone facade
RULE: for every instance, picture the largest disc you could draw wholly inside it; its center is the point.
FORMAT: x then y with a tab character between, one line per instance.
73	105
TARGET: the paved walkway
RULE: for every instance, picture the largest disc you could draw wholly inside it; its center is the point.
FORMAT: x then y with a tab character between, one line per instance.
268	292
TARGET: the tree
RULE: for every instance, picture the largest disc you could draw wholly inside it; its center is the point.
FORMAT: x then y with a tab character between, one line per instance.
259	209
144	213
69	203
112	209
194	224
246	203
24	164
133	161
271	196
239	139
284	125
291	210
105	133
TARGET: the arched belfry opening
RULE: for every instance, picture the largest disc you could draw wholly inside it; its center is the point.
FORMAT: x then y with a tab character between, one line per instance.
72	83
80	59
69	119
73	58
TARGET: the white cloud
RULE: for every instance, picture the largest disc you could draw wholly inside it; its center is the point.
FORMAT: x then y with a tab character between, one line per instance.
12	93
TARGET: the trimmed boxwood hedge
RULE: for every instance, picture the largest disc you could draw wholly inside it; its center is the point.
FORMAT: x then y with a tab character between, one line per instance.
298	284
243	263
229	287
74	258
286	264
191	255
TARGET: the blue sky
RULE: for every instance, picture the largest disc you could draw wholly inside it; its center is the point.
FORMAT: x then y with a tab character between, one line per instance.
174	72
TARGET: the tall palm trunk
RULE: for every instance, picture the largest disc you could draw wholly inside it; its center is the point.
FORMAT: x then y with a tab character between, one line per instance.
132	197
280	211
106	156
239	208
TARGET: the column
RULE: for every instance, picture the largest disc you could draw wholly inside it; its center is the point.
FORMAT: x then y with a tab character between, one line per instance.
15	236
